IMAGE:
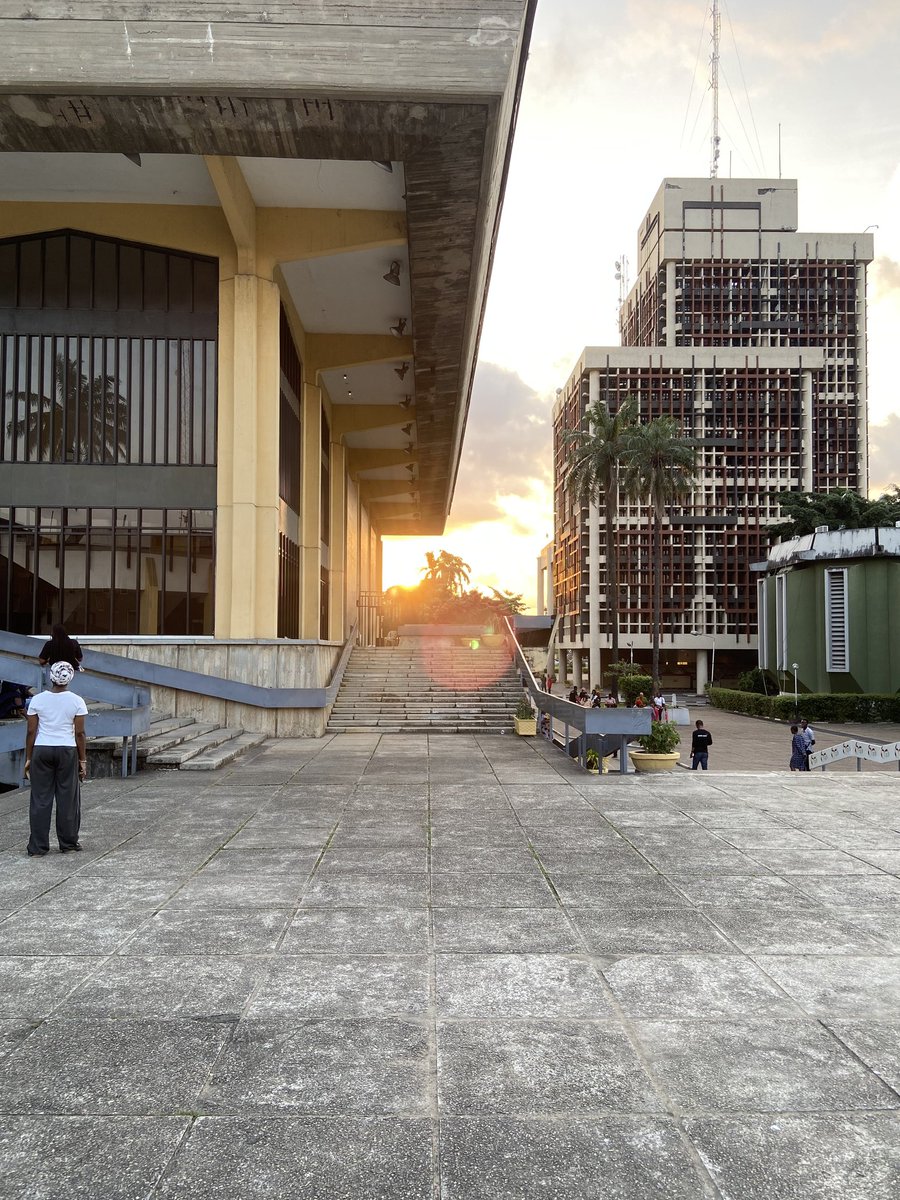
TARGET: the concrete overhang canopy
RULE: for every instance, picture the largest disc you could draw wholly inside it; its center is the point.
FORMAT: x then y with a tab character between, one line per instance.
431	88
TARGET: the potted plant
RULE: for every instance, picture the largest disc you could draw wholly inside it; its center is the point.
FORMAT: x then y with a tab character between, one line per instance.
657	752
525	720
592	761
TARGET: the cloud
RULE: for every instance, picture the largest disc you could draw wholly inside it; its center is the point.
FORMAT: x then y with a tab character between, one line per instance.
508	451
884	455
885	276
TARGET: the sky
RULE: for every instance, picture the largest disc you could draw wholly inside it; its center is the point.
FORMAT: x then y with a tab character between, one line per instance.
616	98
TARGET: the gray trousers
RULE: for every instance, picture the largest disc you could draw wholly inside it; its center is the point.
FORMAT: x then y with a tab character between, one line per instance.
54	776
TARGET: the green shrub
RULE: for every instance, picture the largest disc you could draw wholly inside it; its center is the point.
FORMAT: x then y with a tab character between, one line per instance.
855	707
525	712
631	684
759	681
662	738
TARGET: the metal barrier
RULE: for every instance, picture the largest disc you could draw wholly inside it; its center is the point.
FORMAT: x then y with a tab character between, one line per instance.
621	724
125	683
129	716
877	752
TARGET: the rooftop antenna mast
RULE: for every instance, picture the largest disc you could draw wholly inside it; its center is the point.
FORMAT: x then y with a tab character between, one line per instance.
714	87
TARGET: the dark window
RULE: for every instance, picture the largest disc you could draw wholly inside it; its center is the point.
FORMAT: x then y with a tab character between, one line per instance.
288	588
323	604
107	570
326	481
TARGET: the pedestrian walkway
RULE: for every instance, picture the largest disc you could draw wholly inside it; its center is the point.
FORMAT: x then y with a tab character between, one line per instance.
406	967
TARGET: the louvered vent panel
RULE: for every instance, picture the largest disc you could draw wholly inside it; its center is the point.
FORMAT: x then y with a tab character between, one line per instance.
837	650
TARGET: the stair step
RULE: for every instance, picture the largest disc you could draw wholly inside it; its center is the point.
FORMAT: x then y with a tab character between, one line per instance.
152	744
190	747
224	753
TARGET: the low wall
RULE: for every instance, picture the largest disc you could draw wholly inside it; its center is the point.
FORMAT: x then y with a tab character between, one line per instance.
274	664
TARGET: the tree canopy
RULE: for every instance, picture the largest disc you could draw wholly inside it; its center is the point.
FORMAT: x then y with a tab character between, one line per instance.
841	509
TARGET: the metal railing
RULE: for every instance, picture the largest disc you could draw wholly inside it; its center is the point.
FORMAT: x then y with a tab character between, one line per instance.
129	716
602	725
877	752
125	684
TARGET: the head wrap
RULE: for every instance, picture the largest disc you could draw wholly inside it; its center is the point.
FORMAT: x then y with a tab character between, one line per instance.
62	673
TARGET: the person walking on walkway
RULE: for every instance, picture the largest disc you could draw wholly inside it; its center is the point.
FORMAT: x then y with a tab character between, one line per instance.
61	648
55	761
799	757
701	740
809	739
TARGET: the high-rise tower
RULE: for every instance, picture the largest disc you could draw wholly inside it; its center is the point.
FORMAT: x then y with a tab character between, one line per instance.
752	335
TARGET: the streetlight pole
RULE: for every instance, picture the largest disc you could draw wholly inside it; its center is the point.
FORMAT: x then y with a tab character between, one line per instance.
712	665
795	667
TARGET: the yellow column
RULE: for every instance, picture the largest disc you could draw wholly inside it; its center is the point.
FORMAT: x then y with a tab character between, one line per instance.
337	600
310	509
247	543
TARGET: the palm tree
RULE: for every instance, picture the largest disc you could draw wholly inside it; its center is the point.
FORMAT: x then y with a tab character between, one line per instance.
596	459
85	420
660	472
446	572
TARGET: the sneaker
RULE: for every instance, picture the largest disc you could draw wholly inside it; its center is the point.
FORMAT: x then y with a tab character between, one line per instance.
66	849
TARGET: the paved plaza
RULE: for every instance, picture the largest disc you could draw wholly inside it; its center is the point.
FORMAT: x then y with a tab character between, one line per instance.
455	968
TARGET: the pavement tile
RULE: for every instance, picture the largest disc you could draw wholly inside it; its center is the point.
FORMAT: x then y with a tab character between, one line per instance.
628	891
214	987
33	931
815	862
876	1043
260	863
543	1067
350	889
759	928
533	1158
357	931
116	1158
484	889
869	891
323	1067
203	929
695	985
237	891
90	1066
703	889
271	831
494	860
505	930
518	985
651	931
332	985
382	858
827	1157
33	986
835	987
758	1065
13	1032
303	1158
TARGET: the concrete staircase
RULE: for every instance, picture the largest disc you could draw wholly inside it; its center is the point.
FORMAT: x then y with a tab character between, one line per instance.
432	690
183	744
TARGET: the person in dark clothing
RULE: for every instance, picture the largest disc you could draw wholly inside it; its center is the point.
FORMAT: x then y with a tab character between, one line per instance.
61	648
573	695
701	740
13	699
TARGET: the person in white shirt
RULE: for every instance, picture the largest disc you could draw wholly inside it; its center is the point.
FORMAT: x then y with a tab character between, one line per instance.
55	762
809	739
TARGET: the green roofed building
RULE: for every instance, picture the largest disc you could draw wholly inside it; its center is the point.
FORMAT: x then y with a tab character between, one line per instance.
829	602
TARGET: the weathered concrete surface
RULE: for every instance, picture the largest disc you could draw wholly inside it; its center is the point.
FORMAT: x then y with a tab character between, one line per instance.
405	968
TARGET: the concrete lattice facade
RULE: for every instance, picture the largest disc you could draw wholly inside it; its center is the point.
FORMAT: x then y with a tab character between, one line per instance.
753	337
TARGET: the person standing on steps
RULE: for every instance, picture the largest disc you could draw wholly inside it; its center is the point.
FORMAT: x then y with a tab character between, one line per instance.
61	648
701	740
55	762
799	757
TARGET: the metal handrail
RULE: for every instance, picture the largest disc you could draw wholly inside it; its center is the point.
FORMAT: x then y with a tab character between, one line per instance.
217	687
622	723
130	717
877	752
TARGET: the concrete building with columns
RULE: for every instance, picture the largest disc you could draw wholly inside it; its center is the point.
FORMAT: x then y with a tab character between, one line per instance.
752	335
243	264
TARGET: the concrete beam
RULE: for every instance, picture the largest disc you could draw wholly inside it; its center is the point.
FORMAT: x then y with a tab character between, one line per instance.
375	460
238	207
330	351
378	489
293	234
354	418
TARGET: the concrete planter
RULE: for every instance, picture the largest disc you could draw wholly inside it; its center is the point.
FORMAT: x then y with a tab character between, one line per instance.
526	726
653	764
